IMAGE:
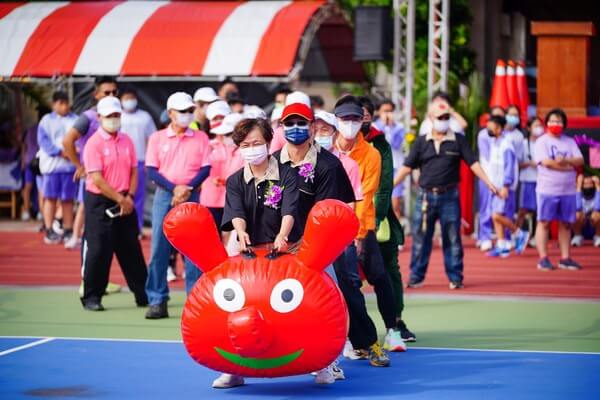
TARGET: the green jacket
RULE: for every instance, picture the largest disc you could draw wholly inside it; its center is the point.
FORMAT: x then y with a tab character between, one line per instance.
383	197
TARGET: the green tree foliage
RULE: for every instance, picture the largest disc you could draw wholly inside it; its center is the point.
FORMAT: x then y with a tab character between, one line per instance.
462	58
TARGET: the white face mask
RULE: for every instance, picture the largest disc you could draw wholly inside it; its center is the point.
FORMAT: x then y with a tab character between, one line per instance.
255	155
349	129
537	130
184	119
129	105
111	125
228	140
325	142
441	125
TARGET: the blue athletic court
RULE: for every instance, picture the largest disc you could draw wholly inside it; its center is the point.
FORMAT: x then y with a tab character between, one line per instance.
130	369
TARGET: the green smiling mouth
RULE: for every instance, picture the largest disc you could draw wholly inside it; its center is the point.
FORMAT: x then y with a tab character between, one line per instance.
259	363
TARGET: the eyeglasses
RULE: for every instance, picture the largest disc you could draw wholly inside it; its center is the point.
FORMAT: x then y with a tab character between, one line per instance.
444	117
188	111
111	92
291	124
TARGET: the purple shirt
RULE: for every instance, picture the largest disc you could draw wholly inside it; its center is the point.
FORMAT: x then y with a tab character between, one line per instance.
31	143
551	181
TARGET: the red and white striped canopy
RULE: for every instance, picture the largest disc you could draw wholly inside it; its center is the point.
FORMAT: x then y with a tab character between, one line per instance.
158	38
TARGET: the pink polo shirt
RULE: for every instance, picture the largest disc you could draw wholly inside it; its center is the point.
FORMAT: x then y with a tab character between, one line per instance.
352	171
224	161
113	156
178	158
278	140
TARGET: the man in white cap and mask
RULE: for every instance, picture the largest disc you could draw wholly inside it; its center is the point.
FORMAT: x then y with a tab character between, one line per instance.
438	155
202	97
111	223
177	160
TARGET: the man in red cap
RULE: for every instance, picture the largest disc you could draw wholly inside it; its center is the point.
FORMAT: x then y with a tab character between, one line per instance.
320	176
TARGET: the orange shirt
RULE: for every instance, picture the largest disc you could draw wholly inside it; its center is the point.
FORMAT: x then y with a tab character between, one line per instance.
369	166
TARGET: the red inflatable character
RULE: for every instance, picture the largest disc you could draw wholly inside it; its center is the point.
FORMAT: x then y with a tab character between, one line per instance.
262	314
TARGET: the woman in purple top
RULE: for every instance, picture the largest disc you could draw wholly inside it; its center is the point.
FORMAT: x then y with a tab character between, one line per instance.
557	156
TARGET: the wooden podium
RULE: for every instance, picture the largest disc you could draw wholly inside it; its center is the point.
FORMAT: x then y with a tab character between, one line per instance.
563	60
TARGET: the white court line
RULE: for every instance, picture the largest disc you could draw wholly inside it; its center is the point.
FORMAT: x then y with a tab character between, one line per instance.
26	346
410	347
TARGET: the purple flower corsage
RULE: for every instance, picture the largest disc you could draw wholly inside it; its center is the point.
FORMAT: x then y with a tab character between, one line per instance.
273	196
307	171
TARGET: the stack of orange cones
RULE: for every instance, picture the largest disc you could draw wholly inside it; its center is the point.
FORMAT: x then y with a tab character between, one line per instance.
511	84
499	95
523	91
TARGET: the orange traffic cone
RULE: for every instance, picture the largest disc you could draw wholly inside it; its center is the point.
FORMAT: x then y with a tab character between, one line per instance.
523	91
499	95
511	84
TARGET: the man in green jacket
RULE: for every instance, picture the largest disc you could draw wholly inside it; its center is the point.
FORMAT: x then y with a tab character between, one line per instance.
390	234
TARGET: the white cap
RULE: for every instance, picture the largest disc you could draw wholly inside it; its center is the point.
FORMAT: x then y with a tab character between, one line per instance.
326	117
219	107
277	113
297	97
109	105
206	95
253	112
180	101
228	124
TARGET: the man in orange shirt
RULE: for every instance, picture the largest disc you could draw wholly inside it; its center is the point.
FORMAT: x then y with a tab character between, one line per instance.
349	113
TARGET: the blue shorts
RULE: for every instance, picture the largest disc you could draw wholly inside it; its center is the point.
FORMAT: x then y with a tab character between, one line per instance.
556	208
527	196
504	207
59	186
80	191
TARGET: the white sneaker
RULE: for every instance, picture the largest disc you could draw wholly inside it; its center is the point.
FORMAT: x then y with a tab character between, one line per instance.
393	341
532	242
73	243
226	381
577	241
349	351
596	241
57	227
171	275
338	372
25	216
325	376
486	245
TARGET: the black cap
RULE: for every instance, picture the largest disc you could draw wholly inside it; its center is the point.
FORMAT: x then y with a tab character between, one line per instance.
349	109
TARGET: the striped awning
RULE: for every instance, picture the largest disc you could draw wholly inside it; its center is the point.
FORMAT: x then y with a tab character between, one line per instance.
157	38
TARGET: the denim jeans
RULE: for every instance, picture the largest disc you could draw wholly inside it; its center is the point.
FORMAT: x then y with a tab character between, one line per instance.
156	285
140	194
444	207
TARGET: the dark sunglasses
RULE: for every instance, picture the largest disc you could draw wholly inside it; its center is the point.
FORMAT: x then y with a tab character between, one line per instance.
444	117
111	92
291	124
188	111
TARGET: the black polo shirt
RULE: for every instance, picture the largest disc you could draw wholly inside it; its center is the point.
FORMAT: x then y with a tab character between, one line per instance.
330	181
245	199
439	168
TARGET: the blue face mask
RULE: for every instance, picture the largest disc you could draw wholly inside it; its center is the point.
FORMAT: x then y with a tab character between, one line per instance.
325	142
296	134
512	120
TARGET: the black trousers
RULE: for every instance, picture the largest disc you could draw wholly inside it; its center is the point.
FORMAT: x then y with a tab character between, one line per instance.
105	236
377	276
362	333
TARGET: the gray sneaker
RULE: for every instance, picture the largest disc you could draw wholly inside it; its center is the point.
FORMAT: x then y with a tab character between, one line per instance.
52	237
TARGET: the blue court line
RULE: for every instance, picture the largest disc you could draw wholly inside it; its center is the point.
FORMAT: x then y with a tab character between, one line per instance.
124	369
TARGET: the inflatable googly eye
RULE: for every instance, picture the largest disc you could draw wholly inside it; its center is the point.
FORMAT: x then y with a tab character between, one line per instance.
287	296
229	295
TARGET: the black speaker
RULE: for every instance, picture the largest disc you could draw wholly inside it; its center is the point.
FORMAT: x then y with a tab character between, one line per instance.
373	33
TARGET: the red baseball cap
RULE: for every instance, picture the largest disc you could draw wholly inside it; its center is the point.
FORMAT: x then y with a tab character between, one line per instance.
298	109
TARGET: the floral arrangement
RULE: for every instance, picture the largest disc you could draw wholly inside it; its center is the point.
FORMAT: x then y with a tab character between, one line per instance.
307	171
273	195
